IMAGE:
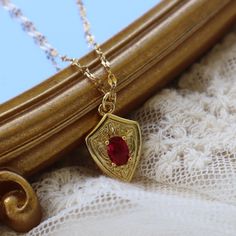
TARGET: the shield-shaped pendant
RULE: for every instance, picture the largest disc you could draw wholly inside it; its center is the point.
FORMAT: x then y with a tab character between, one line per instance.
115	145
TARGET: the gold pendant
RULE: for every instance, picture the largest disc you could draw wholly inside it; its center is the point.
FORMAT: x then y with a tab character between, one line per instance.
115	145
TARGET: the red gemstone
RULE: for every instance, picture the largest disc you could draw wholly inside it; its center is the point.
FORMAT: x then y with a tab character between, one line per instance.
118	151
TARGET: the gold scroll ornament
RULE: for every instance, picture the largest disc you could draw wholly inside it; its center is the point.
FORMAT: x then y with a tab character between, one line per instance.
19	206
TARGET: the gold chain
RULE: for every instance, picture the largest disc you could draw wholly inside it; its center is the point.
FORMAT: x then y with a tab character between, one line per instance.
109	98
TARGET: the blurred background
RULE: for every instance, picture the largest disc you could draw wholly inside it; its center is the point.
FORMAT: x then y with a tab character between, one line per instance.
24	64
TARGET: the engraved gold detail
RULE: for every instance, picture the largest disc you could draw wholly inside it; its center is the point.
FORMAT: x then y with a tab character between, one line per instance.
109	126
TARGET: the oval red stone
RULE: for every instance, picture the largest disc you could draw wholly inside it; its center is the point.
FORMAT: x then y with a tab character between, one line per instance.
118	150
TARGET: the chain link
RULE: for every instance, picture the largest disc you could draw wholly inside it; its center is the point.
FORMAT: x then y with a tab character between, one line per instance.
85	71
109	98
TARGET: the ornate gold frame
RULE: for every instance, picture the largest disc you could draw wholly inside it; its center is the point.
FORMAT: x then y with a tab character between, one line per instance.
38	126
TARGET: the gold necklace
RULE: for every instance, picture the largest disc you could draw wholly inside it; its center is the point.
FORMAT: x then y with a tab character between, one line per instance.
115	143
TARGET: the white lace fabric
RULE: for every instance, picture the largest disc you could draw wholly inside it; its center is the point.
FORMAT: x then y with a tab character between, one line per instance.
186	181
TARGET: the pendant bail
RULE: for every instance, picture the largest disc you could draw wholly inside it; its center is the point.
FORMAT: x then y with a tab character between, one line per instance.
108	103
